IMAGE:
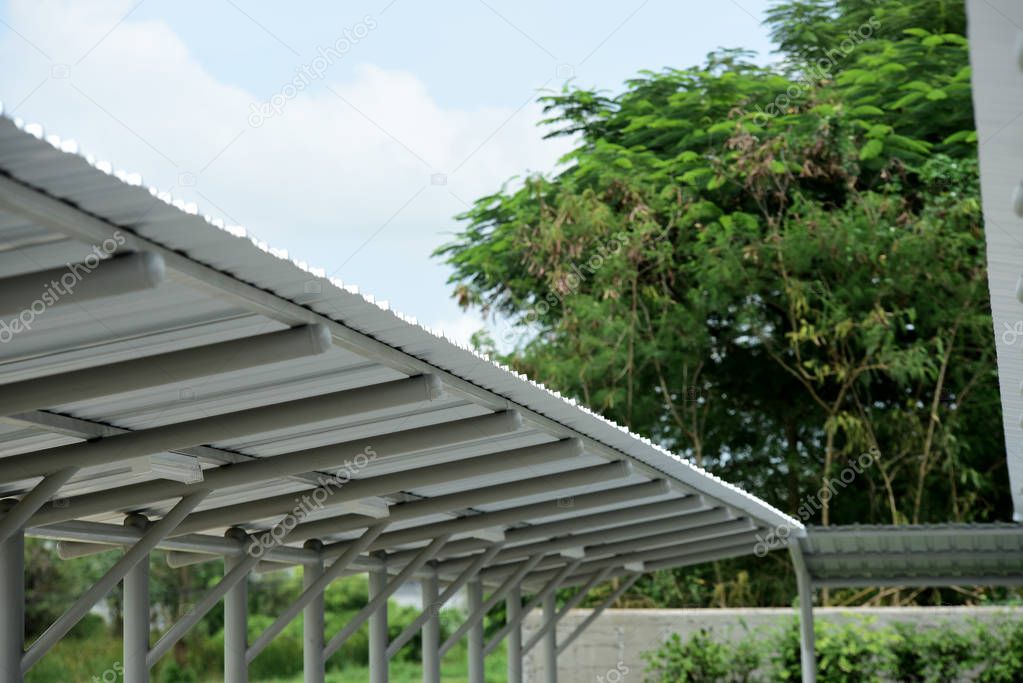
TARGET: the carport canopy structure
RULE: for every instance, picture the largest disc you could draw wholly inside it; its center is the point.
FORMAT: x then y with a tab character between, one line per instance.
166	383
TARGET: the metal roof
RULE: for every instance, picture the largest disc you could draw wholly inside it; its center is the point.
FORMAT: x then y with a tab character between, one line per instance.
914	555
372	381
994	29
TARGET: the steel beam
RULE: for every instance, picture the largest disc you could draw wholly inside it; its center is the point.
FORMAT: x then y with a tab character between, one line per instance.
313	628
513	612
547	508
357	489
315	590
549	589
287	464
470	498
236	616
138	552
113	536
265	418
449	592
587	539
75	283
672	538
431	629
807	654
548	530
682	560
12	606
596	612
378	601
136	613
17	517
551	564
163	368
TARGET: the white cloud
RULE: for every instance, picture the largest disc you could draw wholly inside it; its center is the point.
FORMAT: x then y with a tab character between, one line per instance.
320	179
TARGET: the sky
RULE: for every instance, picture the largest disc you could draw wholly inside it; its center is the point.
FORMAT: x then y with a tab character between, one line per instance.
349	133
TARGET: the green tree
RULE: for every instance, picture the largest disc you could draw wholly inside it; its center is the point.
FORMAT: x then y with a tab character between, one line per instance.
771	270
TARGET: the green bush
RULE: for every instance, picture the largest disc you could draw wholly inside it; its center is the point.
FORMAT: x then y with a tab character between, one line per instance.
932	654
856	651
1002	644
701	659
175	673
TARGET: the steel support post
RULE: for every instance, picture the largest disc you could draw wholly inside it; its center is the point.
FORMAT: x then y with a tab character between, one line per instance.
804	584
313	662
236	620
514	615
475	649
12	606
378	669
550	639
431	629
136	613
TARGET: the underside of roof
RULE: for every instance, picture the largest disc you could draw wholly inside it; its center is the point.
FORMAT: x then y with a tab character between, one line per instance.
915	555
165	358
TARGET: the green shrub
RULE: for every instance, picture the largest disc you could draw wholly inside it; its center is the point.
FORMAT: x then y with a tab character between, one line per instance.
175	673
931	654
701	659
282	658
856	651
1002	647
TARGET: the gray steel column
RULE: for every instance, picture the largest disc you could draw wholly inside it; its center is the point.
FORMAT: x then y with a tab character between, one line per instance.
378	670
513	605
475	649
804	584
136	613
550	640
313	628
431	629
236	620
12	605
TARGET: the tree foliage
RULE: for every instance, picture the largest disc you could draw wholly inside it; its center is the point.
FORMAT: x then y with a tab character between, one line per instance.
770	269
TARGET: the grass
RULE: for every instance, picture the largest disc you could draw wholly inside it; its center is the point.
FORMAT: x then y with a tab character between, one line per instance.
452	671
85	661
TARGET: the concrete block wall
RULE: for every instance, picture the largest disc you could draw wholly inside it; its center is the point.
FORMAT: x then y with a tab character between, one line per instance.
611	650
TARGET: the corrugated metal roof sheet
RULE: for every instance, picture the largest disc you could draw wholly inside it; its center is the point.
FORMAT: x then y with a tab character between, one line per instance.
915	554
